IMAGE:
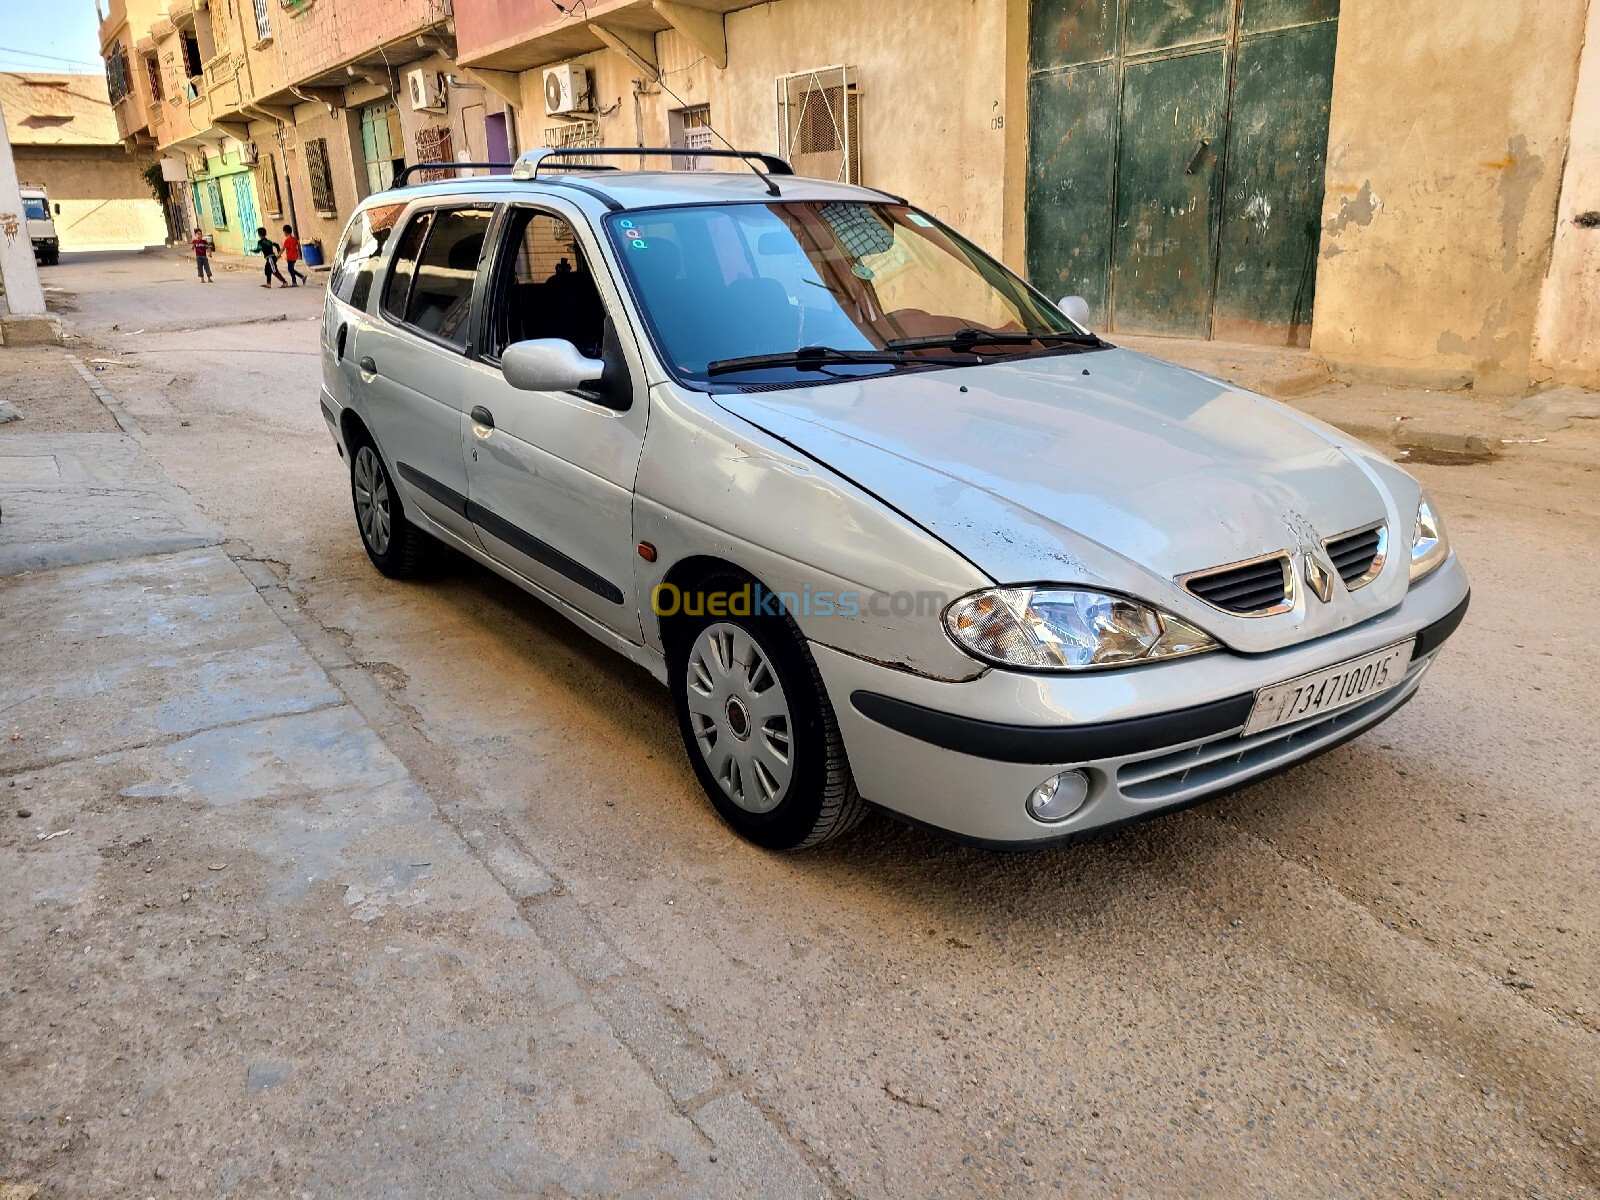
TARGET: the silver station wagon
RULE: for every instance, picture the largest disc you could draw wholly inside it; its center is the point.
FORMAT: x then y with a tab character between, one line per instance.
894	529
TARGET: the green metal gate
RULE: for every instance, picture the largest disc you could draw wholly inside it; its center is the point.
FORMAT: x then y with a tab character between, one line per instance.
1176	155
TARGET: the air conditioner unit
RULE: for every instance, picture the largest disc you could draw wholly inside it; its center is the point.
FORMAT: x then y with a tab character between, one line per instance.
566	90
426	89
248	154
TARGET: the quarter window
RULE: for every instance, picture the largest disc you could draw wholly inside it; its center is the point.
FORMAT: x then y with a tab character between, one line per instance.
357	260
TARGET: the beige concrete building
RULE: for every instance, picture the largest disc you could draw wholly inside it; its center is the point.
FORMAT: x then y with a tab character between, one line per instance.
65	140
1408	198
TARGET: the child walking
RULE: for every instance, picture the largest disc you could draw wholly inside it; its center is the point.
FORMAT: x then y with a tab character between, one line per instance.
201	245
268	249
291	255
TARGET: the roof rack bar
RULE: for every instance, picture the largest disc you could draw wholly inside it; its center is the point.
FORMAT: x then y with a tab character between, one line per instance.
527	166
400	179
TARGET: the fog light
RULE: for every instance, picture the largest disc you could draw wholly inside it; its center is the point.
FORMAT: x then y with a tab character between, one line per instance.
1058	797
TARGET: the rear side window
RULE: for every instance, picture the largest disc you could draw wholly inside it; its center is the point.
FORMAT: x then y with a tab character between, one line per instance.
356	263
441	293
398	288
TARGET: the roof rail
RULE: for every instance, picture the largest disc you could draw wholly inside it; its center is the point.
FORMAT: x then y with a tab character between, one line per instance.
528	164
400	179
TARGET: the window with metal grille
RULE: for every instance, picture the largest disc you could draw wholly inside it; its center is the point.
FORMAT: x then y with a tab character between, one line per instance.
118	84
267	185
819	123
321	176
219	214
690	129
153	70
434	145
263	20
578	134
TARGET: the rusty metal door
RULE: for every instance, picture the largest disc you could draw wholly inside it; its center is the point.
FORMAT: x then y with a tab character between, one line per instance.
1176	152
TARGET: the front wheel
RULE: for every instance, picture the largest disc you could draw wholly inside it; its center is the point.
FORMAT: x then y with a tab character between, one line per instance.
760	732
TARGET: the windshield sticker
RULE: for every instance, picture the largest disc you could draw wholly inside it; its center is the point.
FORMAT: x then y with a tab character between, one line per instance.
635	238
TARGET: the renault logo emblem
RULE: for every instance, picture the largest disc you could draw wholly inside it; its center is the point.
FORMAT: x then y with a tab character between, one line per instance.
1319	578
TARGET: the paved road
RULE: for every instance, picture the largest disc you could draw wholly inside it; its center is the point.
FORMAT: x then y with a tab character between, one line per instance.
1377	975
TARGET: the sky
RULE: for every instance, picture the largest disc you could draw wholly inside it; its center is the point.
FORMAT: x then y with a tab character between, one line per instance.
63	29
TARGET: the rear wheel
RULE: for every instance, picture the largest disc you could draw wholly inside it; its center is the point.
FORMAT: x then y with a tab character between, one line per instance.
396	547
759	730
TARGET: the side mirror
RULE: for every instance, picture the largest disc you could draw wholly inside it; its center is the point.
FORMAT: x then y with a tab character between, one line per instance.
58	208
549	365
1075	309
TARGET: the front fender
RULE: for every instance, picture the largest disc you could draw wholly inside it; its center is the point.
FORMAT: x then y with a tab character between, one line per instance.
855	574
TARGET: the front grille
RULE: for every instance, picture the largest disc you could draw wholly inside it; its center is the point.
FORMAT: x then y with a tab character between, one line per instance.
1356	555
1250	588
1220	761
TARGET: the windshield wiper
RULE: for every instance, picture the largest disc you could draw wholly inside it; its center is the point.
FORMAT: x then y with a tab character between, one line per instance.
811	358
969	337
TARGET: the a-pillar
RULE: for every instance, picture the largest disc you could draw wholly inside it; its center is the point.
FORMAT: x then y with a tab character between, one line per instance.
23	320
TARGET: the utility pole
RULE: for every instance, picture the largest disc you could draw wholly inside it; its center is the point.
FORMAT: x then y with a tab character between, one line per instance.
23	320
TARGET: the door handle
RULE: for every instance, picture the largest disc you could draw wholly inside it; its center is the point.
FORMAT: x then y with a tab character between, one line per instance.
482	416
367	365
1199	158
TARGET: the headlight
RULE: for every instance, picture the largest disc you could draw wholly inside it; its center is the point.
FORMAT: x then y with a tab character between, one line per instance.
1429	545
1064	629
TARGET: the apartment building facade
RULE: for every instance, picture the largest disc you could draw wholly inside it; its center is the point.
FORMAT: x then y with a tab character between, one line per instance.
1412	199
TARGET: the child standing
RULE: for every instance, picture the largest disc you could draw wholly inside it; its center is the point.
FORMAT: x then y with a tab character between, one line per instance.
291	255
201	245
268	249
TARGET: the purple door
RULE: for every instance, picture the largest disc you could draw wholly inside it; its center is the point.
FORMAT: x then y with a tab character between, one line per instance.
497	141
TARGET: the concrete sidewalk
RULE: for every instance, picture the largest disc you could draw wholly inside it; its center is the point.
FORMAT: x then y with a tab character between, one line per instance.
260	938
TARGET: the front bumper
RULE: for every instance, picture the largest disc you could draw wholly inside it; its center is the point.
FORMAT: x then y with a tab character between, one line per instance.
962	757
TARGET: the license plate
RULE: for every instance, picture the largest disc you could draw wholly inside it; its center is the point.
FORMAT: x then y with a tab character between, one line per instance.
1331	688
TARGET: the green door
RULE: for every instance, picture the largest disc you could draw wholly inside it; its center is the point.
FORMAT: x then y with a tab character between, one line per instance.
1176	161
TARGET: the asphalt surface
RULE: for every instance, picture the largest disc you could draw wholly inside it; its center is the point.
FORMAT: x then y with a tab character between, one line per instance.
1375	975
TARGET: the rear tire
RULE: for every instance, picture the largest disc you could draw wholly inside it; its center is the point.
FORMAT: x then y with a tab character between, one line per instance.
758	727
396	547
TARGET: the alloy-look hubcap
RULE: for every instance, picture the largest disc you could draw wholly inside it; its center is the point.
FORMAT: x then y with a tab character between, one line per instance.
372	499
740	717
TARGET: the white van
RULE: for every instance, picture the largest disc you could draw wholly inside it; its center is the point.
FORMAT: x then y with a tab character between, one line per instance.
40	215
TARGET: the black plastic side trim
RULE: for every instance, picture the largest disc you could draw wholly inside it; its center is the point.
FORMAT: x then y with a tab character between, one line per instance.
1433	636
524	542
1054	744
449	497
497	526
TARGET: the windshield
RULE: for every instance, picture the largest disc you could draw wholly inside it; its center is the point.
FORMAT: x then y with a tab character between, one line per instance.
35	209
724	283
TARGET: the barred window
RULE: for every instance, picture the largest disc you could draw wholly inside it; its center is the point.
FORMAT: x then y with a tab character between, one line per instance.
117	82
267	185
263	21
321	176
434	145
153	70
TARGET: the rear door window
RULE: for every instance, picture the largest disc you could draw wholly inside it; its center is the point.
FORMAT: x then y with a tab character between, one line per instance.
447	269
397	290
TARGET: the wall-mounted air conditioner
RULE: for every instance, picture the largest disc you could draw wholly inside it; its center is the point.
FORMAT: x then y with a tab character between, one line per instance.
426	90
566	90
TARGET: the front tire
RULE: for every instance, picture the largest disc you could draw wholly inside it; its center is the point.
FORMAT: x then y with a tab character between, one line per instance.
758	728
396	547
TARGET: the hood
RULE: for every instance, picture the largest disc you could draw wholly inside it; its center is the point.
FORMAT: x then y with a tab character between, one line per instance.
1106	468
